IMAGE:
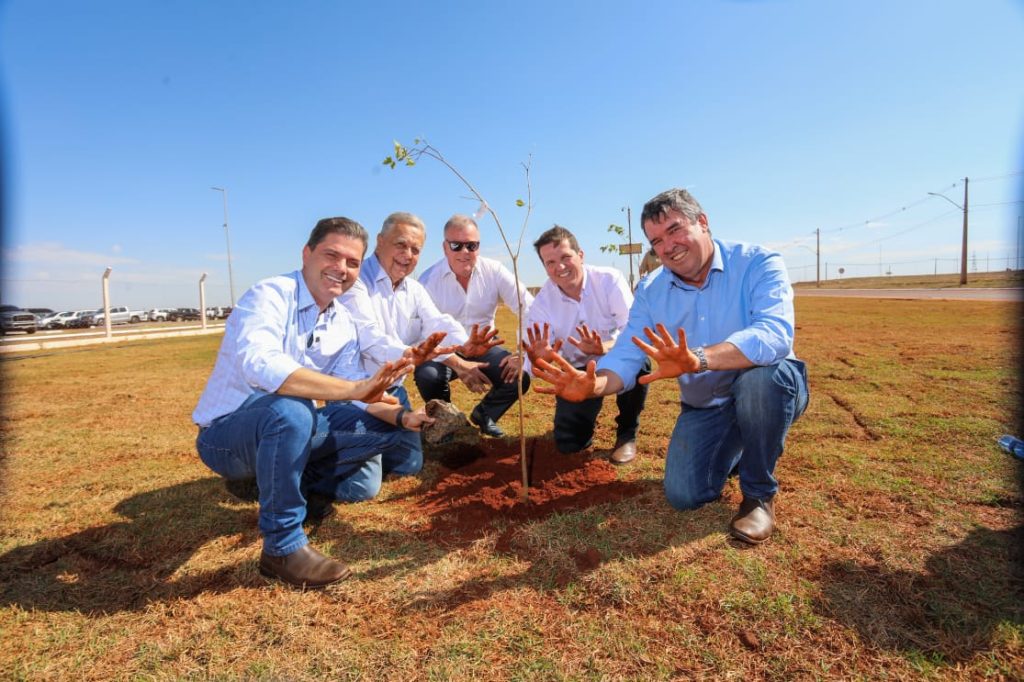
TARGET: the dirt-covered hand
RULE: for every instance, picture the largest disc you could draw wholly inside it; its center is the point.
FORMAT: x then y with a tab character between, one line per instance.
673	359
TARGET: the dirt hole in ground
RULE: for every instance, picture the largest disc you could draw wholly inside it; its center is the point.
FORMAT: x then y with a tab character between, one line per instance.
481	483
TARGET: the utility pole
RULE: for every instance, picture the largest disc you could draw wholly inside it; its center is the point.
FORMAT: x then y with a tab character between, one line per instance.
963	248
1020	228
963	255
629	236
818	251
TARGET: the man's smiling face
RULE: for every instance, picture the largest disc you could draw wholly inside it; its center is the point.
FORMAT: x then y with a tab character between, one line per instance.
684	246
398	251
331	268
564	266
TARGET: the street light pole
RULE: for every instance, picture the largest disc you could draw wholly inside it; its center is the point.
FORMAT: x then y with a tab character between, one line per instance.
227	238
629	237
963	247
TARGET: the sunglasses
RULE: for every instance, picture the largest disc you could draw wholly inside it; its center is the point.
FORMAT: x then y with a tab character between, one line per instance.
469	246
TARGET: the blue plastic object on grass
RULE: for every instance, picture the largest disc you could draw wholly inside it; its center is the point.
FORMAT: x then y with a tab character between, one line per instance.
1013	445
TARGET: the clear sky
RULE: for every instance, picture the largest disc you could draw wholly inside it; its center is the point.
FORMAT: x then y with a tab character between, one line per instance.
780	117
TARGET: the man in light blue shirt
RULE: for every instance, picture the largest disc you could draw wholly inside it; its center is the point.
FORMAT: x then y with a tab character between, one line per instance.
740	385
288	343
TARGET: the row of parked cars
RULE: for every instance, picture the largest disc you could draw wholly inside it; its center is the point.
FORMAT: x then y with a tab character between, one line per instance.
30	320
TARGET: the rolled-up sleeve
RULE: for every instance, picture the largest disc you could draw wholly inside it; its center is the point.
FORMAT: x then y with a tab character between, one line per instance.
768	338
260	318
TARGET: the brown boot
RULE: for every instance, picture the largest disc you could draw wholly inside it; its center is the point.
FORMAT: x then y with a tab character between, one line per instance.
305	568
755	520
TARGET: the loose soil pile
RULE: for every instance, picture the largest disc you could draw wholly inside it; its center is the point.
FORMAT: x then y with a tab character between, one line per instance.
484	484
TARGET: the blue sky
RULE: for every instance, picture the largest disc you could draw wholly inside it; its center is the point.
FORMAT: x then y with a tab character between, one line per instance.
780	117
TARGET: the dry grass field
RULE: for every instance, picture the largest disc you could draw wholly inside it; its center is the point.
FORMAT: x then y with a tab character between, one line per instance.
899	554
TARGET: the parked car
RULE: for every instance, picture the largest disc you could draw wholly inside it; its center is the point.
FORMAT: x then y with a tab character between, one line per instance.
159	315
81	320
56	320
17	321
40	313
218	312
184	314
119	315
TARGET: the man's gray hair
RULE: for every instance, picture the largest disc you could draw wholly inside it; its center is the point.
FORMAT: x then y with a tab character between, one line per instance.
458	220
402	218
342	226
673	199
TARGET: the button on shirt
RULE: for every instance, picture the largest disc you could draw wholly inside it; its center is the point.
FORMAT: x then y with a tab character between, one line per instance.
476	304
405	312
603	306
275	329
746	300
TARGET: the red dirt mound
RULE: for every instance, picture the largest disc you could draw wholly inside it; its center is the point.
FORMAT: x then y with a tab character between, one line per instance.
464	501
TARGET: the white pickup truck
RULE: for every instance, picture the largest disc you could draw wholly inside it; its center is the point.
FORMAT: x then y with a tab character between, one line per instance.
120	315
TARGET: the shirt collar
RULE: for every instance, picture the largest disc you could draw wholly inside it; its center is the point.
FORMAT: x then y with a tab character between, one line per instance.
305	297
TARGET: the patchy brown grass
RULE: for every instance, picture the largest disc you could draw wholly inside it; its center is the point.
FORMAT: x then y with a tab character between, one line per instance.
898	556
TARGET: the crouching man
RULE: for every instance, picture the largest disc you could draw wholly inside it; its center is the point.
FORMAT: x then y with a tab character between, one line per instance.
730	308
288	343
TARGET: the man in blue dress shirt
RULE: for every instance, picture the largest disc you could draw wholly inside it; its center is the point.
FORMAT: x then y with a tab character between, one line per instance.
287	343
740	385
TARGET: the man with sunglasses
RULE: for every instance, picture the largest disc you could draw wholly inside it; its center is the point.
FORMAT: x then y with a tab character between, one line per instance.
468	287
718	317
287	344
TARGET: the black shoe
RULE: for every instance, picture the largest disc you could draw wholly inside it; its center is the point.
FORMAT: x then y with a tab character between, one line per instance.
318	509
485	423
244	489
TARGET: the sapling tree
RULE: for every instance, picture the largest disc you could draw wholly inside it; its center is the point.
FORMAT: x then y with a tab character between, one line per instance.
409	156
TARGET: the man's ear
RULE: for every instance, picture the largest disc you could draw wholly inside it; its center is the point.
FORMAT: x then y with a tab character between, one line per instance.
702	218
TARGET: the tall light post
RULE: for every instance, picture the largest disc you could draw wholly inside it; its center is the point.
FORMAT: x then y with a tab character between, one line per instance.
963	248
629	236
227	238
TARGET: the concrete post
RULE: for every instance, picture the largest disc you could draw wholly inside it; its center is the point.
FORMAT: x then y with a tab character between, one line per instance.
106	301
202	300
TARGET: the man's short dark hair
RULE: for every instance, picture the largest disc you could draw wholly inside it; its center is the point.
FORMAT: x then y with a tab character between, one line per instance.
673	199
556	235
342	226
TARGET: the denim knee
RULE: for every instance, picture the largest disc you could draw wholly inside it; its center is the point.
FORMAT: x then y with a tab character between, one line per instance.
681	497
294	414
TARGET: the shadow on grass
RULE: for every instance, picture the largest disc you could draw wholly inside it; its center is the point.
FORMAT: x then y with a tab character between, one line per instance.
950	612
126	565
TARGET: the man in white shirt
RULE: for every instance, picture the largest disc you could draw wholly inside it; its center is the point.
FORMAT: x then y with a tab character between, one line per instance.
592	302
286	344
468	286
405	311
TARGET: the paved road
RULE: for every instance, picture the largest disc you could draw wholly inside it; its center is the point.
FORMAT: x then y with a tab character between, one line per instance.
937	294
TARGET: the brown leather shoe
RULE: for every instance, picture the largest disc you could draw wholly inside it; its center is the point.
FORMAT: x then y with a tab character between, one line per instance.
624	452
305	568
755	520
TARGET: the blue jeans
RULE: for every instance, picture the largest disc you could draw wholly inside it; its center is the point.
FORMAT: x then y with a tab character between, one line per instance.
575	422
748	431
293	449
433	381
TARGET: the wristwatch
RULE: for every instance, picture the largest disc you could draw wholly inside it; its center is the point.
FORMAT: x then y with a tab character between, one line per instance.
699	352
